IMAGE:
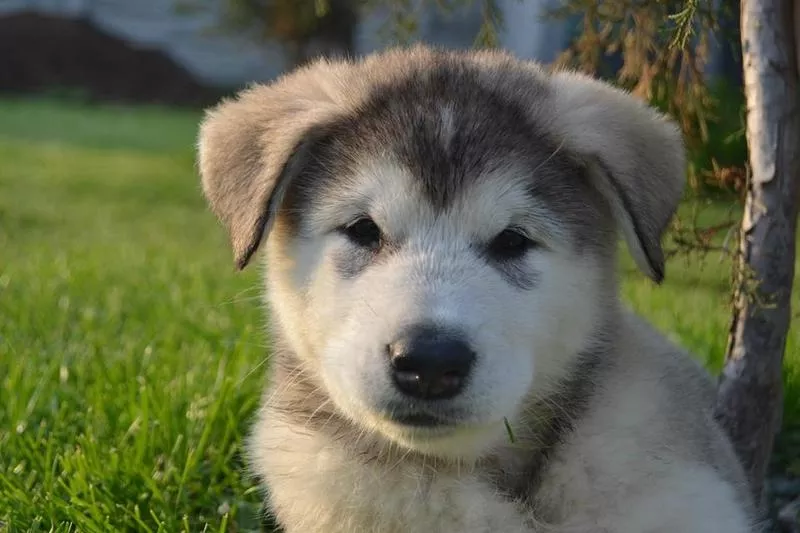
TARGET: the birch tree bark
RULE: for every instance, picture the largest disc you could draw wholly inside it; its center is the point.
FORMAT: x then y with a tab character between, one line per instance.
749	403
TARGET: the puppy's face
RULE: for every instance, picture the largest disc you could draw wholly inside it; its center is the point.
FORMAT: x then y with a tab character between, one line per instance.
430	302
438	253
433	322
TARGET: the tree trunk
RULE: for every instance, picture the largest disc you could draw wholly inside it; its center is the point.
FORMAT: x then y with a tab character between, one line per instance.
749	404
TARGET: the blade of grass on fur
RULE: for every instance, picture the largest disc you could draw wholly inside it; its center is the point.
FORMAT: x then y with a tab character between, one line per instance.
511	438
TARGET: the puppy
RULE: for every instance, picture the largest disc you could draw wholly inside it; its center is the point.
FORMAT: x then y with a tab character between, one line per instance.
450	352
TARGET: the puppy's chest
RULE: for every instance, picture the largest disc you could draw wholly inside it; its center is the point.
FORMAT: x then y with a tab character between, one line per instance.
327	490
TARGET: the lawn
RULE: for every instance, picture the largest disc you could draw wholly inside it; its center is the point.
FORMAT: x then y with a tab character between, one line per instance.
131	353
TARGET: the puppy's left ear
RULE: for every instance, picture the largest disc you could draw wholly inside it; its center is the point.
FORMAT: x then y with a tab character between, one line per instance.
635	156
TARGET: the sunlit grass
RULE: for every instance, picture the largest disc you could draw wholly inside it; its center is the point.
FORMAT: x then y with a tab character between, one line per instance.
130	350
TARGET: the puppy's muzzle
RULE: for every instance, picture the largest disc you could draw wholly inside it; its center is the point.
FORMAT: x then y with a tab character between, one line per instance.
430	363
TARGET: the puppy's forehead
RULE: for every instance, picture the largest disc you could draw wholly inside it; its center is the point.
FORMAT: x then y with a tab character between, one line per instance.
438	135
448	129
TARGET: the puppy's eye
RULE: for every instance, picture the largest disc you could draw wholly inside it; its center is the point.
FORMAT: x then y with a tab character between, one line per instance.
363	232
510	244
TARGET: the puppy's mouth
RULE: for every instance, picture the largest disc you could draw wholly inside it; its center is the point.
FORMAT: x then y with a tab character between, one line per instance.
422	418
419	420
435	429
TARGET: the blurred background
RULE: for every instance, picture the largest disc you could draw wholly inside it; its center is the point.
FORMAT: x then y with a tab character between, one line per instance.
190	52
132	357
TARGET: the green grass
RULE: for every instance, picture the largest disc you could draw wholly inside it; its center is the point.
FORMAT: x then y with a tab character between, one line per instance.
131	353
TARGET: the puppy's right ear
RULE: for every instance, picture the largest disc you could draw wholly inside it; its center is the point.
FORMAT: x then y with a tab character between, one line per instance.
249	149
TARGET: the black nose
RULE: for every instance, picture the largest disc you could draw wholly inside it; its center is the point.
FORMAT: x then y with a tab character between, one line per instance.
430	363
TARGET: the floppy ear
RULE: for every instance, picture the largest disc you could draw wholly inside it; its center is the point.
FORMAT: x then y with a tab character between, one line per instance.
249	148
634	154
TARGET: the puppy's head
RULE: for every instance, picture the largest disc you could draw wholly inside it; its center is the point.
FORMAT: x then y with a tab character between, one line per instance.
440	227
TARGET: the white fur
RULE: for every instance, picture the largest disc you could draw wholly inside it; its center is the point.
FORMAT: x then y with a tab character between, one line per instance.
322	490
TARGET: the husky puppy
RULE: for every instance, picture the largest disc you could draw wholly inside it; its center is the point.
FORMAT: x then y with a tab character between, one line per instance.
450	352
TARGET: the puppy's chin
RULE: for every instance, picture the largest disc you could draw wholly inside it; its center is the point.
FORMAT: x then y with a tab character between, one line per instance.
462	441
